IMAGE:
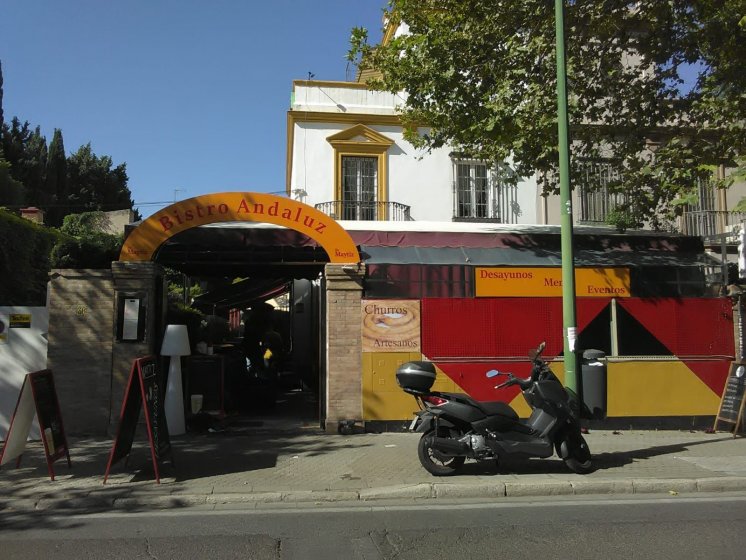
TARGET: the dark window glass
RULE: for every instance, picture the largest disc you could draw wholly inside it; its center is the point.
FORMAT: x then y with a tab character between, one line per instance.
668	281
359	184
415	281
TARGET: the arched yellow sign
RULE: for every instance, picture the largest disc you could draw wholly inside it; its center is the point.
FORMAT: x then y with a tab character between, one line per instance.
143	242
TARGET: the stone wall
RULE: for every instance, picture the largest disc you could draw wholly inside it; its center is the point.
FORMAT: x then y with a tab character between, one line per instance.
344	344
81	319
91	367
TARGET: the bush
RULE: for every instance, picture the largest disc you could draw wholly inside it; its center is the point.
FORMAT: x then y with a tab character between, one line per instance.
93	251
86	246
24	260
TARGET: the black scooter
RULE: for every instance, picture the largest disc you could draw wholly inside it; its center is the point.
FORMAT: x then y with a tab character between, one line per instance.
455	427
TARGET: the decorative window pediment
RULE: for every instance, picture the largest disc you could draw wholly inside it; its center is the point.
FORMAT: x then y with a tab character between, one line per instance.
359	137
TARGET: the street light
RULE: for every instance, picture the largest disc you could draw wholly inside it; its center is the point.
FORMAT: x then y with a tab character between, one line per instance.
568	261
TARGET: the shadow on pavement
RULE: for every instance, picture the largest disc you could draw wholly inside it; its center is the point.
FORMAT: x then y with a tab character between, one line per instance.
619	458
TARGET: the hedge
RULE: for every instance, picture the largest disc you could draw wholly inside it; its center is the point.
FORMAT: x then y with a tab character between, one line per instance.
24	260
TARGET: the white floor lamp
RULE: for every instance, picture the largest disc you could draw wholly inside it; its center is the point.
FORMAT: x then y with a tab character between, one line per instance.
175	344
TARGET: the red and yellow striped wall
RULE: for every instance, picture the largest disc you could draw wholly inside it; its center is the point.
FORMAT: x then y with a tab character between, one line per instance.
467	337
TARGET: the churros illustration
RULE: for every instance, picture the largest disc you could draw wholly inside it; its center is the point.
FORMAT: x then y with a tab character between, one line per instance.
391	325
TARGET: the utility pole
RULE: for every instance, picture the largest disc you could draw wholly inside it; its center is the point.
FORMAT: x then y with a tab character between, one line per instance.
568	260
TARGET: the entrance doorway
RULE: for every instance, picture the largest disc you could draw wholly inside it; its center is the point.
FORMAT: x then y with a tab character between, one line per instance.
251	297
253	236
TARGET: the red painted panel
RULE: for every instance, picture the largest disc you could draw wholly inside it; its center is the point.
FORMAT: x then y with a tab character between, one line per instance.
586	310
472	379
466	337
712	373
497	327
488	327
687	327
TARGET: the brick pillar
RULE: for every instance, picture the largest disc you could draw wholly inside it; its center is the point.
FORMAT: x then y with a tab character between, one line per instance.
140	278
344	397
81	315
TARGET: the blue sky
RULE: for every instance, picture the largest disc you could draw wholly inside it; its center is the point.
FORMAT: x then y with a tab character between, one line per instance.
191	94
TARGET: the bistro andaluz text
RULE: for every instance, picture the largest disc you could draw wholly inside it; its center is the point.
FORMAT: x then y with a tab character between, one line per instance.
180	216
145	239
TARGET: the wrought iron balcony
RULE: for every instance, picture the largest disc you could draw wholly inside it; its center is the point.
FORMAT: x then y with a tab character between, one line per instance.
705	223
362	211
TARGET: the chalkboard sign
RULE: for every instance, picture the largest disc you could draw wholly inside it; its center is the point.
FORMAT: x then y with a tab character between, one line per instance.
142	387
205	377
48	413
734	394
37	395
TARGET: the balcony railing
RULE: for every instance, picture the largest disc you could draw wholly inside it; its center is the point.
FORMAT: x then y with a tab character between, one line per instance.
709	222
361	211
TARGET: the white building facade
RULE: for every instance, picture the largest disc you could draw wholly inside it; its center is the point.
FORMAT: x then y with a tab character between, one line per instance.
348	157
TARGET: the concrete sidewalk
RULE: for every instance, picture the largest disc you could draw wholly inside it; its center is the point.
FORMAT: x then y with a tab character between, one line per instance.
255	467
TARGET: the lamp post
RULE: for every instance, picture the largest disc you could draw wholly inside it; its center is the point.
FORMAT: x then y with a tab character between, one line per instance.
175	344
566	242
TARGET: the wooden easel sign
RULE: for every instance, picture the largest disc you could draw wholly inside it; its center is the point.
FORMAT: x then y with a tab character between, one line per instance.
142	387
38	396
733	399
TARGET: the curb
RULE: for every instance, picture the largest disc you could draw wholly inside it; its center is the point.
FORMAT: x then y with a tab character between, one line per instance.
94	502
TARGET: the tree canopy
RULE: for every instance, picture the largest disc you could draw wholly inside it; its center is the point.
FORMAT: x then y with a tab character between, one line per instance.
34	173
95	183
657	88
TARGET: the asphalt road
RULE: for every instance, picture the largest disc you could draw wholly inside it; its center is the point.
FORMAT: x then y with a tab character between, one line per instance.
692	527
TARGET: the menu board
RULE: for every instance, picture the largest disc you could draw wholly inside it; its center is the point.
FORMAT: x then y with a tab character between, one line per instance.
48	413
142	387
38	396
732	402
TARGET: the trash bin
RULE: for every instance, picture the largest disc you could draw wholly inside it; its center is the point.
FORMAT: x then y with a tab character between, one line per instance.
593	379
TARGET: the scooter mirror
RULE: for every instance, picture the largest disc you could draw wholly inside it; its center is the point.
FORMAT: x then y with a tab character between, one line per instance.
533	354
492	373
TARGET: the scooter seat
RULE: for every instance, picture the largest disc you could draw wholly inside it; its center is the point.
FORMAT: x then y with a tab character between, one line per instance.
498	408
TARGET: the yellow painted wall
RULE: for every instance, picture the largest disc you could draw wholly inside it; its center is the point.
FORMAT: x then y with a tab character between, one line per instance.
635	388
383	399
647	388
657	389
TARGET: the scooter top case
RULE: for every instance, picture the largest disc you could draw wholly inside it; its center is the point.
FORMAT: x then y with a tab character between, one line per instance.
416	378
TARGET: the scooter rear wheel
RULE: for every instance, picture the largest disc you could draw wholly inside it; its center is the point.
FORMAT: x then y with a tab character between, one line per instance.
434	461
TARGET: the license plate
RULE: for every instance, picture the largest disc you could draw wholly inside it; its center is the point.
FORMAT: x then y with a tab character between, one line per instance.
414	423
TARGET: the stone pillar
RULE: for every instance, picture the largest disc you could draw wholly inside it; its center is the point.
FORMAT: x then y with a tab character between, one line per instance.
81	315
344	397
142	279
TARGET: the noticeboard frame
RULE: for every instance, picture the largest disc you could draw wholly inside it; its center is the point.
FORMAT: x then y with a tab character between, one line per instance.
142	391
39	387
735	414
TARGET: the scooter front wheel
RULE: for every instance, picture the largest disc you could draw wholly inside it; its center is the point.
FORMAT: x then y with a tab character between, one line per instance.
436	462
578	458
